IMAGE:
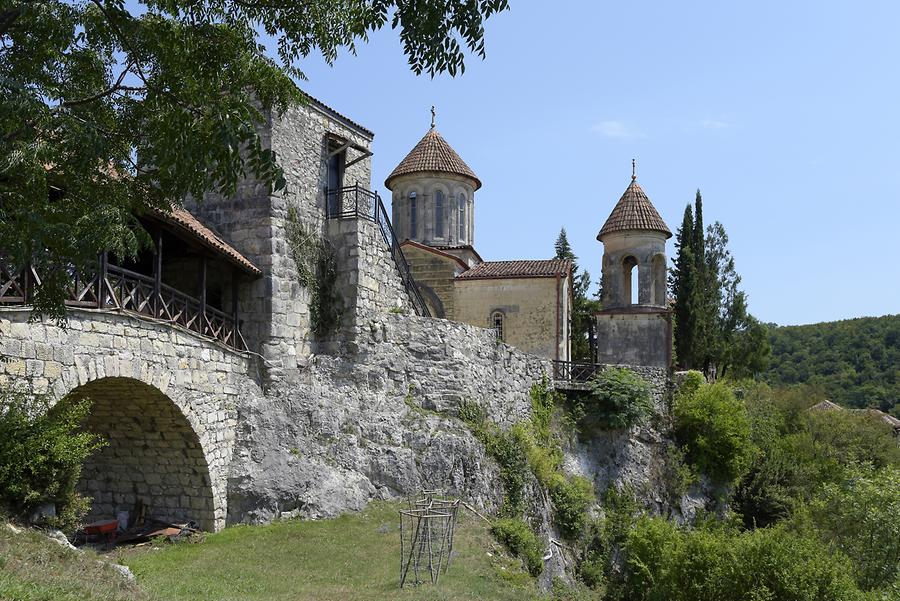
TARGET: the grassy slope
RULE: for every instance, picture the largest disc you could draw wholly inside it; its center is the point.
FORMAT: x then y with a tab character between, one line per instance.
33	568
354	557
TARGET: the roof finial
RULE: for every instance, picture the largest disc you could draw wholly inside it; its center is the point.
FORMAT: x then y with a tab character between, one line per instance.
433	114
633	170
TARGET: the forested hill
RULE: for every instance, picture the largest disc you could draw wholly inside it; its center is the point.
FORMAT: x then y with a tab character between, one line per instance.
857	361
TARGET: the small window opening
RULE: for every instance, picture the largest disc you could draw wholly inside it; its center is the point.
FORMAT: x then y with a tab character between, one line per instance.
438	214
461	202
413	216
497	324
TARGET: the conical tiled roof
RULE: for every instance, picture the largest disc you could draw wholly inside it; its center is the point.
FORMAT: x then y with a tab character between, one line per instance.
634	211
432	153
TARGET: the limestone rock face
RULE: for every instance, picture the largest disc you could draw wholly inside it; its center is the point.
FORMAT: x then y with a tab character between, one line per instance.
636	459
379	422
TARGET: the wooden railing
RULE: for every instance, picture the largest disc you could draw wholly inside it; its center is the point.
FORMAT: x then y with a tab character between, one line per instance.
358	203
574	371
124	290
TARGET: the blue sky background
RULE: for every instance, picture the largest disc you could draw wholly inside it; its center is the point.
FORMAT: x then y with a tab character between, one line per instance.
784	114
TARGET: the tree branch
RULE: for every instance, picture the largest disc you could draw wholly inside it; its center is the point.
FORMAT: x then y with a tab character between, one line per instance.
7	18
112	89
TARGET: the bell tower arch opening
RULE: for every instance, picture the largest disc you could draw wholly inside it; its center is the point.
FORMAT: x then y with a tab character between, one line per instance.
631	280
153	454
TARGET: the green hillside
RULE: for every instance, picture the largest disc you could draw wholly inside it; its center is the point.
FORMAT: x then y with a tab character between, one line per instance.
855	361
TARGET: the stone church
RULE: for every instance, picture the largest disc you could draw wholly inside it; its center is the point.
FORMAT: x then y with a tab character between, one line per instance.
528	303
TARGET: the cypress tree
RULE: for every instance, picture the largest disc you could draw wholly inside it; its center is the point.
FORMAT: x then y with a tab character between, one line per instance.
681	286
564	249
583	309
705	305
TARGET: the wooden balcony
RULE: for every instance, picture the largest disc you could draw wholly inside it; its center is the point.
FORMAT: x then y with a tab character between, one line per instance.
117	288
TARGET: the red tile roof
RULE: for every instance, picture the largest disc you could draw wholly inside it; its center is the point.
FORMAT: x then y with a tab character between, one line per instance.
517	269
634	211
190	225
432	153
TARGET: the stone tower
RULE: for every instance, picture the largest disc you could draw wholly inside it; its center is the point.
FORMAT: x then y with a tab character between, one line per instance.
635	325
433	195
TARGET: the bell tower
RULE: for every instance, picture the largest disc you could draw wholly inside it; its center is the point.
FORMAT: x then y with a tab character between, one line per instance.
635	325
433	194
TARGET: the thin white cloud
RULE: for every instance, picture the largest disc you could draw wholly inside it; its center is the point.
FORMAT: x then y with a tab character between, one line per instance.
617	130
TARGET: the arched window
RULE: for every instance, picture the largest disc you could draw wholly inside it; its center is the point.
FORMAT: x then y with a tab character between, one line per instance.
497	323
461	206
630	283
438	214
413	216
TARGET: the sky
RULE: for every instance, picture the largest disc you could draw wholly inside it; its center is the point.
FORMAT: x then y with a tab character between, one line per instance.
786	115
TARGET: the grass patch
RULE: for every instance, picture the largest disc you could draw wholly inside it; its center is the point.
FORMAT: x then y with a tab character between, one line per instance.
353	557
33	568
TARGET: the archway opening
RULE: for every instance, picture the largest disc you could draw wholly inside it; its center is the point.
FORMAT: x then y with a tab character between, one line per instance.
153	456
631	283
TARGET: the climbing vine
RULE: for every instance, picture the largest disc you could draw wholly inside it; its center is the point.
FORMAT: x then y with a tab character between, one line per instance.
316	265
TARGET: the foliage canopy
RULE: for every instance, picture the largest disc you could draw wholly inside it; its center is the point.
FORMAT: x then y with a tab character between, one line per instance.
712	425
108	108
856	361
619	398
42	450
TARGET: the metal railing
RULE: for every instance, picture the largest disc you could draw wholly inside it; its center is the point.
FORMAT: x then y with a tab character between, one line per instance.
574	371
119	288
355	202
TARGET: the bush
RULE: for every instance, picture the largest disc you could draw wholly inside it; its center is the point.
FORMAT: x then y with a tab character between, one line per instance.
859	517
507	449
713	563
714	429
41	454
521	542
571	498
621	398
800	450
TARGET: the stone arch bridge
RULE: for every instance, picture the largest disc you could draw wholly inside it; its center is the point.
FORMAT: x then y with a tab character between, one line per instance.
163	397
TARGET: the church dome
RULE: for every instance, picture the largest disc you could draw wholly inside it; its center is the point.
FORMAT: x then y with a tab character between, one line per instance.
634	211
432	154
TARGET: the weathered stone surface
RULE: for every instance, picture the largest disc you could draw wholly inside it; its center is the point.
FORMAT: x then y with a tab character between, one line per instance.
165	398
379	423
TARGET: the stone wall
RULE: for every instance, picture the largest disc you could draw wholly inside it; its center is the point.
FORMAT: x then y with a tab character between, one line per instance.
378	422
276	306
368	279
160	391
434	272
640	336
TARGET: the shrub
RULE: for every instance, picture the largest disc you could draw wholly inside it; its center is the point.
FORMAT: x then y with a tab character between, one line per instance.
41	454
571	498
800	450
507	449
521	542
621	398
712	563
605	536
714	429
858	516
